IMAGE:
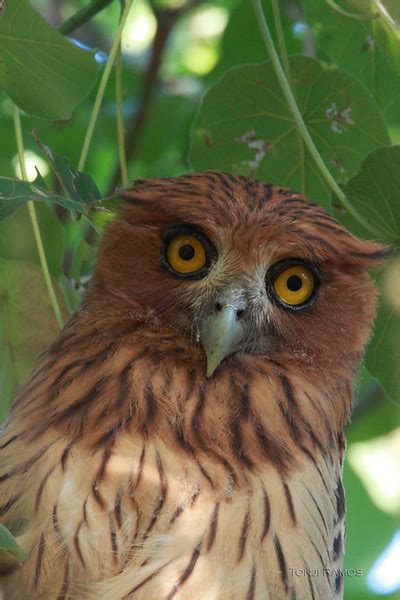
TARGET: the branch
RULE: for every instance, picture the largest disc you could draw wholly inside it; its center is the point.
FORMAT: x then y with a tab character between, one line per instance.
166	21
34	220
82	16
102	87
351	15
120	112
281	38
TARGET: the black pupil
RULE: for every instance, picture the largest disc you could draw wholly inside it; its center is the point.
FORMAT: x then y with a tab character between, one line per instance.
186	252
294	283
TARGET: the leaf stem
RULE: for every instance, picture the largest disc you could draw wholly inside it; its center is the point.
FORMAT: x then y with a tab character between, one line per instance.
294	109
351	15
385	15
120	113
102	87
166	20
281	38
82	16
34	220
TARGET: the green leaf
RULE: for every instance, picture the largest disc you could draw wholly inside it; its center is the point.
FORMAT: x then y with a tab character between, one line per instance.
83	195
43	72
78	186
27	323
383	353
71	296
165	137
386	31
100	217
17	240
14	193
82	264
11	554
83	190
374	413
9	543
243	25
364	48
375	192
244	125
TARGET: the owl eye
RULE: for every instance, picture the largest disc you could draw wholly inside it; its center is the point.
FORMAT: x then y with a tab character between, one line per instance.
294	285
188	253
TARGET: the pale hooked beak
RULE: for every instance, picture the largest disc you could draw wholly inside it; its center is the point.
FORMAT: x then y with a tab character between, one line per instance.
222	331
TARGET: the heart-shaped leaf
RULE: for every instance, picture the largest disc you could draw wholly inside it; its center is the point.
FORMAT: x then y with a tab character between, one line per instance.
363	47
383	352
375	192
244	125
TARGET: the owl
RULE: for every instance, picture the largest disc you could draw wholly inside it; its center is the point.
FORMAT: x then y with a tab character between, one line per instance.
182	438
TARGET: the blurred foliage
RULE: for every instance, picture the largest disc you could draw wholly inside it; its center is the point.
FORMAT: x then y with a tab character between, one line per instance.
196	75
27	322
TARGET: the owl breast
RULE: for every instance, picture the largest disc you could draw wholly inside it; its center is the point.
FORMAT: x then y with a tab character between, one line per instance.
142	522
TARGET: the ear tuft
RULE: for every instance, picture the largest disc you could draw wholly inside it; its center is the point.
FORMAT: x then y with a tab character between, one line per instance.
366	253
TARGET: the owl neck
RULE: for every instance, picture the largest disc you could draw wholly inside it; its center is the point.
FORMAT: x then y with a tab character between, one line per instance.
98	381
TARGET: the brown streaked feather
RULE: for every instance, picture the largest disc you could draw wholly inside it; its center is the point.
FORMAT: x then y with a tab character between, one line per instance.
127	474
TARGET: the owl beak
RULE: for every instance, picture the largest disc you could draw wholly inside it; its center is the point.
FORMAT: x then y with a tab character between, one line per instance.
221	333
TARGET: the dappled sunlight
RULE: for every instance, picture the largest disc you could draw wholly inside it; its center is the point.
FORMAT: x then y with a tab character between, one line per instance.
197	41
200	58
384	577
32	162
377	463
140	29
391	285
208	21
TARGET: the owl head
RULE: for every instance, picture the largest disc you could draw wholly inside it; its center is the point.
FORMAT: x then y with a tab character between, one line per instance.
232	268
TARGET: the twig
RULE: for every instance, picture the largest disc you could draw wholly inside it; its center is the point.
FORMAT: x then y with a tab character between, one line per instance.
35	224
166	21
351	15
294	109
281	38
82	16
120	112
102	87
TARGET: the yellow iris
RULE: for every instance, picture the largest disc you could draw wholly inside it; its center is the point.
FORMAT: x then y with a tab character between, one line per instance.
294	285
186	253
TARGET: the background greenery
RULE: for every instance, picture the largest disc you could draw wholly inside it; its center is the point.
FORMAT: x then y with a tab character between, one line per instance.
196	90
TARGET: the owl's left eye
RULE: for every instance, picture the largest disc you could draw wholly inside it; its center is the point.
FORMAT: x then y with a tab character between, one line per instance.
293	283
188	253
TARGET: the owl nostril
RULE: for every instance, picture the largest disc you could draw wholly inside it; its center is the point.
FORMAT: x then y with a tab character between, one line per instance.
219	306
